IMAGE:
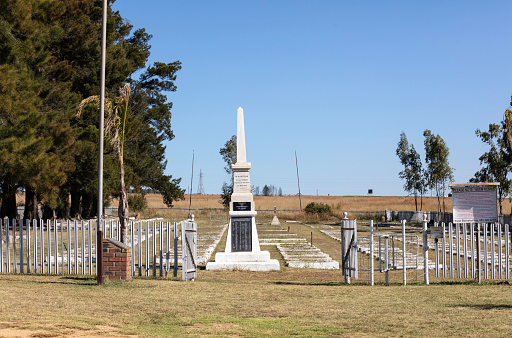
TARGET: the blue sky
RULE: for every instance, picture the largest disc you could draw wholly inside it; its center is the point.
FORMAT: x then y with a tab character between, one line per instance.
337	81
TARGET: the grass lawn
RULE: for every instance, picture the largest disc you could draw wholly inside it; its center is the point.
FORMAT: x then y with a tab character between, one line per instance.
301	302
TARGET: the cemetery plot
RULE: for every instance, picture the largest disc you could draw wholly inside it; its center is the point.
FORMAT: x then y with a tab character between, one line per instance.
297	252
208	236
157	256
386	252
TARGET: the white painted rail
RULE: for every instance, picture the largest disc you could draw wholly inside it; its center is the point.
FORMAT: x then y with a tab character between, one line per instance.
69	247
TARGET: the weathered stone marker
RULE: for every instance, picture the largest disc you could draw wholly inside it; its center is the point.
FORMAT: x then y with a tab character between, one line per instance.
242	250
275	220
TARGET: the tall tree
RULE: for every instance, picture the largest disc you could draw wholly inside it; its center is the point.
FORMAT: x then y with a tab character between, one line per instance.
497	160
48	60
228	153
438	172
35	131
413	170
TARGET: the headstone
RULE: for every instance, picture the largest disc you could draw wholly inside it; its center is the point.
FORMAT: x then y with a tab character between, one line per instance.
275	220
242	250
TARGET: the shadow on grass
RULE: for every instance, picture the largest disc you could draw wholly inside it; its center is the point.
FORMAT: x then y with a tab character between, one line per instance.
471	282
310	284
466	282
486	306
55	279
74	280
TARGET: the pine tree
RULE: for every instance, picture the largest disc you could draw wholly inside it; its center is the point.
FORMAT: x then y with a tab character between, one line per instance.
49	57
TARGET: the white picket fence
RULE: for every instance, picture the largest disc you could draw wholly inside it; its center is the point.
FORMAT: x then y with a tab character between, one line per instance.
472	250
69	247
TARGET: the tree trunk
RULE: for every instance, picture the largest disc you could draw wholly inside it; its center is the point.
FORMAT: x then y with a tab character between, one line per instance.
74	211
438	192
416	200
8	208
62	210
87	206
94	207
30	204
122	210
500	195
47	212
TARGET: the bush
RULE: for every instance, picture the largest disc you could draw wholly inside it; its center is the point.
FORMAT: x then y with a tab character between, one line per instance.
317	208
137	202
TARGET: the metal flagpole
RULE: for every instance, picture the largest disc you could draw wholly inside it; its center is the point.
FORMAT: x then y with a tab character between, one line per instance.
99	249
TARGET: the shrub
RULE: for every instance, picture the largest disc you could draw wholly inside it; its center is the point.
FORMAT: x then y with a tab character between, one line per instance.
137	202
317	208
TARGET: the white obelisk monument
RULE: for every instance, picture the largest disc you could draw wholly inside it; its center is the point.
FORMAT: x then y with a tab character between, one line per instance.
242	246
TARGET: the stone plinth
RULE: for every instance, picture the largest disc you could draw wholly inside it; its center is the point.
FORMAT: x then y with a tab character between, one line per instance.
250	261
117	258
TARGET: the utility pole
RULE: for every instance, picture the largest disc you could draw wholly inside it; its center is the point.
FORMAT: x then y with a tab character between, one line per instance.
298	182
99	250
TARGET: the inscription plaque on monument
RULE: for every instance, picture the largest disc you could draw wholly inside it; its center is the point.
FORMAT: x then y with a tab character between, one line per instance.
241	206
241	234
242	182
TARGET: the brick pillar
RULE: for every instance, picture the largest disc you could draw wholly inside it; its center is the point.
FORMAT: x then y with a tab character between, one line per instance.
117	258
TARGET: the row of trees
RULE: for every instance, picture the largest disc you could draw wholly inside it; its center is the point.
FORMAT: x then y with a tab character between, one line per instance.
268	190
496	162
49	63
435	176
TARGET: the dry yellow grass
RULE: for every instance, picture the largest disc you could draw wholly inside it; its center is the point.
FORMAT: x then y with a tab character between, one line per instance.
287	202
296	302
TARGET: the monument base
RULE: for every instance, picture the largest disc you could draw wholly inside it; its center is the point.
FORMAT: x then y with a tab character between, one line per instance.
248	261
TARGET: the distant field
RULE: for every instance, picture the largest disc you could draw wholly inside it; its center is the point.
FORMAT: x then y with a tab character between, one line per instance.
339	204
287	202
